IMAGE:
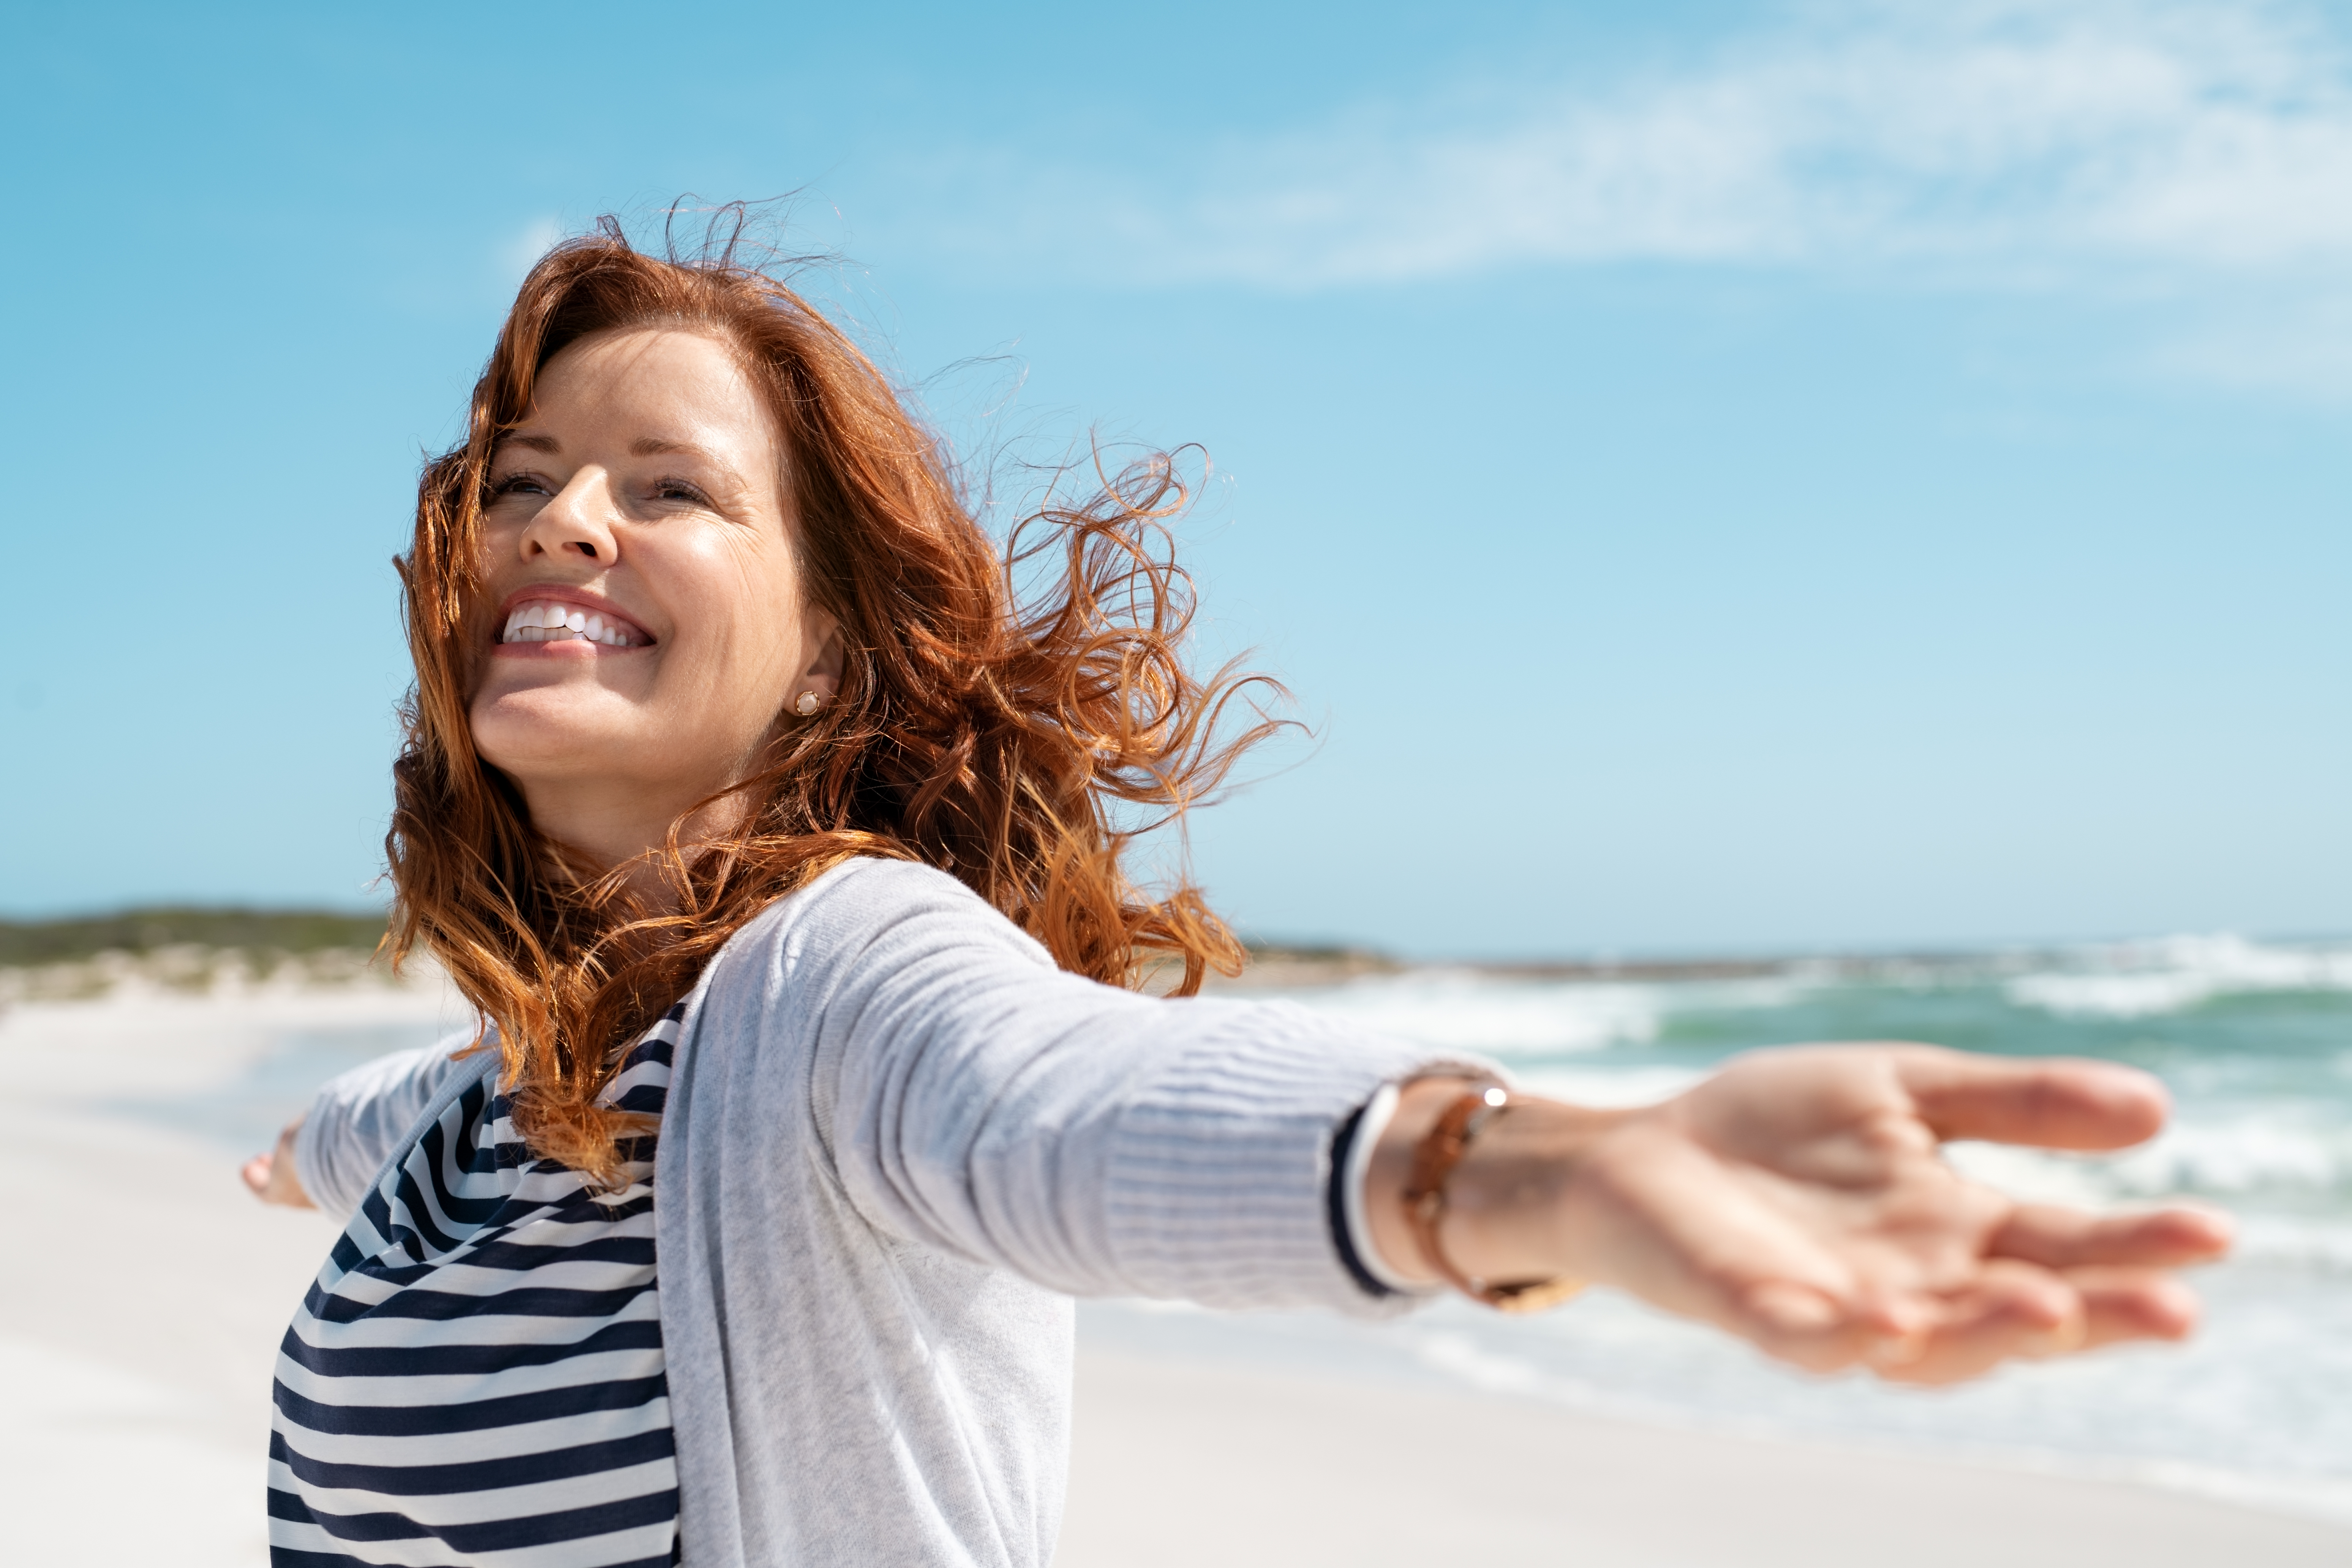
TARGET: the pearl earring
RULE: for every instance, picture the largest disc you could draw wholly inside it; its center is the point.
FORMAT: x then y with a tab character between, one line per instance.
809	702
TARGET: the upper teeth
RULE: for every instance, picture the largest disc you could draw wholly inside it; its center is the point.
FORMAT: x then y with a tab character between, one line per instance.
545	620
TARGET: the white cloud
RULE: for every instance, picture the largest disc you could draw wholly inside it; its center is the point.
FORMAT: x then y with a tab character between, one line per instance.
2301	344
1988	138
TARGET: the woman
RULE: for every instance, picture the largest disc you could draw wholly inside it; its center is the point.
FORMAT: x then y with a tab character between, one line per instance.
779	849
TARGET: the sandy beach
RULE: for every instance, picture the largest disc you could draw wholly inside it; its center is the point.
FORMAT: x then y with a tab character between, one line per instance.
144	1293
1183	1463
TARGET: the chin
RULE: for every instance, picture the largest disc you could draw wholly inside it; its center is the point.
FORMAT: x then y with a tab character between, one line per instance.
551	731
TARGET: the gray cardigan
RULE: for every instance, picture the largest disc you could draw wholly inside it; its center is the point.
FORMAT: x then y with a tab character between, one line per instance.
898	1141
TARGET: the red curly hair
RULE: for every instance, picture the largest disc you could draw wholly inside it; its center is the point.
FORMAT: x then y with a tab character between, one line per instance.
1020	742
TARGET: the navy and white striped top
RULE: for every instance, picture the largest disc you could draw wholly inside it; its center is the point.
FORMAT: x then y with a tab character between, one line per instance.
477	1375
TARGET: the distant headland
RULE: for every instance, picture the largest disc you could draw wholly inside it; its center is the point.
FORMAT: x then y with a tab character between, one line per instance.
198	950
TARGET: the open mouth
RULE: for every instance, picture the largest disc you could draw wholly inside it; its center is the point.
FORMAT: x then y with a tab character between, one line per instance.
551	620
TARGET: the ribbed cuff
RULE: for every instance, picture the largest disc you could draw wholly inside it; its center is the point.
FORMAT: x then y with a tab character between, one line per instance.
1218	1188
1351	1224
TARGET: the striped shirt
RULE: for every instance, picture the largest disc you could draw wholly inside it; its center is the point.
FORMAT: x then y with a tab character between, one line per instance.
477	1375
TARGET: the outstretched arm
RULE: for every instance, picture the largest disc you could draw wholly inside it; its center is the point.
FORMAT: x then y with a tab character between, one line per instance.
1798	1199
326	1156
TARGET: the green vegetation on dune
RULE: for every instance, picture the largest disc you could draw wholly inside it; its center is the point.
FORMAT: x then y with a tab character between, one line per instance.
27	942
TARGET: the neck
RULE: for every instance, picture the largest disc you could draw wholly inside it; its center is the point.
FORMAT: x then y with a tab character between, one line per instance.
627	825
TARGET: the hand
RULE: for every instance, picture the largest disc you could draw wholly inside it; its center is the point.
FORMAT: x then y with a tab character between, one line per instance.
1798	1200
271	1178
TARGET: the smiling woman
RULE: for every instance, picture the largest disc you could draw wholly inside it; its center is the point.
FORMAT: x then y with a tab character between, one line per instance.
781	850
808	651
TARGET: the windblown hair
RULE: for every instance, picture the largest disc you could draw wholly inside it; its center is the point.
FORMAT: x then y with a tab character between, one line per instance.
1020	741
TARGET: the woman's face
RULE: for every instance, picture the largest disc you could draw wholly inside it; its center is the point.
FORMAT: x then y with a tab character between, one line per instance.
646	608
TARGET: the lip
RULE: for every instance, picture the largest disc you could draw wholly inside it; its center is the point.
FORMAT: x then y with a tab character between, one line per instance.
558	593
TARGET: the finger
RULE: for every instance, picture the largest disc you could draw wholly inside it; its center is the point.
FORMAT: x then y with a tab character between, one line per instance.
1895	1320
2055	1238
2013	1311
2054	1102
2013	1319
2122	1305
255	1173
1804	1326
1828	1330
1660	1220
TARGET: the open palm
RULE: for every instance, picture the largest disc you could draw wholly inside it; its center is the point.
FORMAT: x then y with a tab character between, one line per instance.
1798	1199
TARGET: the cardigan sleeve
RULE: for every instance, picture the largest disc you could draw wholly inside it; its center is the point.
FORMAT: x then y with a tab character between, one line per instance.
976	1099
357	1119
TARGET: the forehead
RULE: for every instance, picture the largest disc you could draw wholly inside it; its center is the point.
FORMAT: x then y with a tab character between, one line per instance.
665	384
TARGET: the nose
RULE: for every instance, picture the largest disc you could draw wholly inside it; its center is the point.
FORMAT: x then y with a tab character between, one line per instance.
576	522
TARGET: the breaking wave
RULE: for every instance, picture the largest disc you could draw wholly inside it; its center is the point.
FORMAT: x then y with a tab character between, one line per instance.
2139	980
1467	1013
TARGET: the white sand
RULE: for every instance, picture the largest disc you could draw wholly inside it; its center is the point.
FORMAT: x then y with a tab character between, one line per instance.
1197	1463
143	1292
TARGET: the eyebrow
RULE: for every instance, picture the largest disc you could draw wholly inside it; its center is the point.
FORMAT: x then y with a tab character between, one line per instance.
642	447
653	446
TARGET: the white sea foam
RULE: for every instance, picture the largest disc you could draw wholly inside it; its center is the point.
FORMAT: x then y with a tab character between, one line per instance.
2309	1243
1467	1013
2137	980
1463	1010
2270	1153
1457	1010
2031	1176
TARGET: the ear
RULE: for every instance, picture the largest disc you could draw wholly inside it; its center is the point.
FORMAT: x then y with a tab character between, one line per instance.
821	645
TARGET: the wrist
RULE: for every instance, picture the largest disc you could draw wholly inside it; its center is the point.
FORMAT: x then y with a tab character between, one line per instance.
1509	1211
1512	1209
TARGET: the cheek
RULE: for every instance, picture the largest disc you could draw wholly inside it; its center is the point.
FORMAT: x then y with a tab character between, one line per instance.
739	637
736	677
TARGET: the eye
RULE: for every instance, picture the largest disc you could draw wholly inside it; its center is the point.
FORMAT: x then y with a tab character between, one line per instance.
681	490
518	484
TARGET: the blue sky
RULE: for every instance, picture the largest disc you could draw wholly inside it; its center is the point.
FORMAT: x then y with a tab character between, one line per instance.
1716	476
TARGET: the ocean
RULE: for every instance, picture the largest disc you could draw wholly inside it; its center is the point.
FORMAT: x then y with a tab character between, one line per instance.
2254	1040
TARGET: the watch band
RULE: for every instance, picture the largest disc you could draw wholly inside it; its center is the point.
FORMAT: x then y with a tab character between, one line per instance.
1440	1149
